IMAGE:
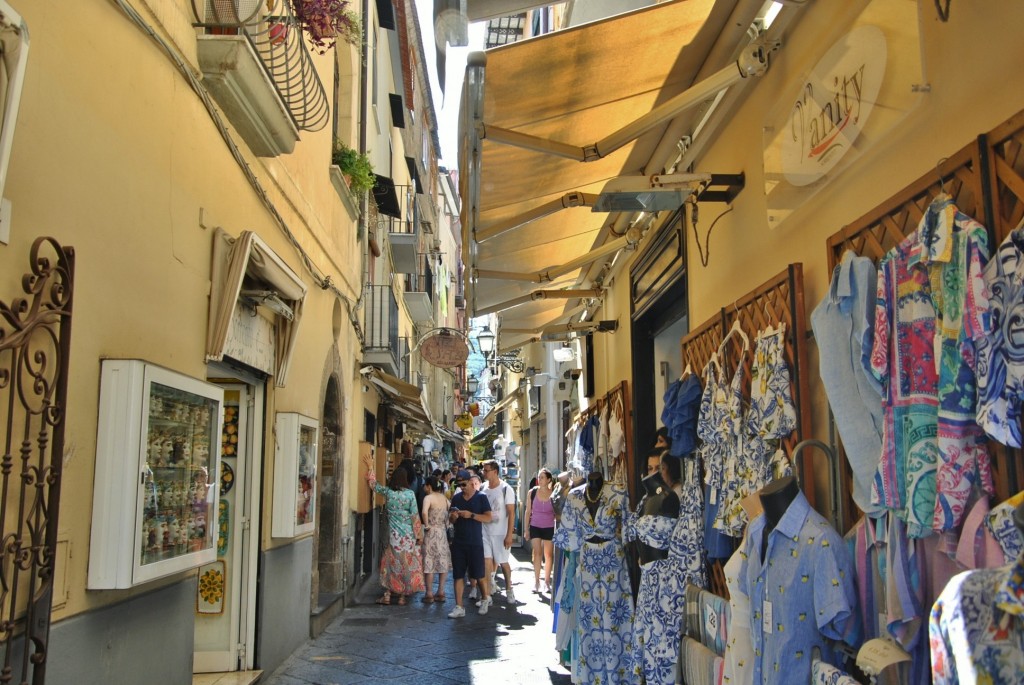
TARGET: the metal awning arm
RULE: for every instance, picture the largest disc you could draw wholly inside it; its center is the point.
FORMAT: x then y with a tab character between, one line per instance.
497	228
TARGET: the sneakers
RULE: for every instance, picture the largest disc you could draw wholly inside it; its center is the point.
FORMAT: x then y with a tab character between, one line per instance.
485	604
510	598
458	612
474	592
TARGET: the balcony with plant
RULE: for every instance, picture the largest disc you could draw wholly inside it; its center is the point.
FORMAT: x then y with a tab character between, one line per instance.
327	21
355	166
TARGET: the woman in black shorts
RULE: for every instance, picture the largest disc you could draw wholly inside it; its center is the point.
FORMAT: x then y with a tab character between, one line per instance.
541	518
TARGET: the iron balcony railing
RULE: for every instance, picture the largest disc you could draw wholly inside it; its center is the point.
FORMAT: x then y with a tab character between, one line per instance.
275	34
408	208
381	322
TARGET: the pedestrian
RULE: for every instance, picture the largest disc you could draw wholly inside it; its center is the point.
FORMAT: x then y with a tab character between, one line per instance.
498	533
401	570
436	553
540	518
469	511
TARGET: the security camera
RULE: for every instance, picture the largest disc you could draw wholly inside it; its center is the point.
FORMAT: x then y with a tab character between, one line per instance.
575	374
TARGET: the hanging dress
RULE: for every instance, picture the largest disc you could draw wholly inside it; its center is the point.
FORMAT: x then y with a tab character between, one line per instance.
603	606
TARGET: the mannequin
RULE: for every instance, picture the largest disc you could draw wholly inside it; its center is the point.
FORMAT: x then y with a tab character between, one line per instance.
667	534
598	591
775	500
797	573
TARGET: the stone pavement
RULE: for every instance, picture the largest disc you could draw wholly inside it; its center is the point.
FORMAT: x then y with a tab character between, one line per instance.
369	644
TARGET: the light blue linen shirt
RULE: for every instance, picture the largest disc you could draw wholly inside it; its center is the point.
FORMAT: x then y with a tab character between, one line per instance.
802	593
843	330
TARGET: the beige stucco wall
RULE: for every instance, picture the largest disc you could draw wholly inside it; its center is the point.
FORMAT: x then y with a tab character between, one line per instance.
973	65
116	156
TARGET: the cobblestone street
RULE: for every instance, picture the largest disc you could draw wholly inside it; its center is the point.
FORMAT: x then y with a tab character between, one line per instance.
371	644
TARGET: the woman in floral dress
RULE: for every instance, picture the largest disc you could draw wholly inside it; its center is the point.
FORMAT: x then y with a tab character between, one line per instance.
401	570
437	558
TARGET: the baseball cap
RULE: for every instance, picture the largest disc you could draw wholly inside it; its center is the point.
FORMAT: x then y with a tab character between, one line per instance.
463	475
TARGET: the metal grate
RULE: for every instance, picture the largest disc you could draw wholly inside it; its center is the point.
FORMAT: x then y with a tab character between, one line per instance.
35	342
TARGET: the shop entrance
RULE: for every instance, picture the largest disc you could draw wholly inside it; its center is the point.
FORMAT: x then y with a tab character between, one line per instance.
330	560
225	630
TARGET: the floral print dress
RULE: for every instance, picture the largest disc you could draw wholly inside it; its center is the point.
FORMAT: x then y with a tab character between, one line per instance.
401	569
437	557
603	605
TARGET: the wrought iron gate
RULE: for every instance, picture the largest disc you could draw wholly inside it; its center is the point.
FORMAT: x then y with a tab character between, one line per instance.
35	340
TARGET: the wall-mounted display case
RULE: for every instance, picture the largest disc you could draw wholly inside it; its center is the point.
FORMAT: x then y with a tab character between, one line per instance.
295	475
157	462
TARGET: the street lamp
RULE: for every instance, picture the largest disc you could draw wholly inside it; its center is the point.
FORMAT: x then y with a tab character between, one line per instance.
486	340
472	384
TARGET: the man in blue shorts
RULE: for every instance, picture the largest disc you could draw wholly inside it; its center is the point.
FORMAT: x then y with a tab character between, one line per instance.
469	509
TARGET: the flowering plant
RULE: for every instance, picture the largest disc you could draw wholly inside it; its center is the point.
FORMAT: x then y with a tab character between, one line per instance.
326	21
354	165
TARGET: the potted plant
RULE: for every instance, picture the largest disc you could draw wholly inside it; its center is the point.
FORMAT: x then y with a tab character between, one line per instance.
355	166
325	21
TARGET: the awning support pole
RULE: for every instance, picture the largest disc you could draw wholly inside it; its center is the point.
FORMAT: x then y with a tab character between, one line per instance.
496	134
497	228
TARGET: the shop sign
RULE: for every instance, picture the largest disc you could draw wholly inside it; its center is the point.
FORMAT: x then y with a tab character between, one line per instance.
464	421
833	105
251	339
445	350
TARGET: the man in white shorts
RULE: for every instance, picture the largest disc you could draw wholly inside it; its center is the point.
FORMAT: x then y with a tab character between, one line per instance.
498	533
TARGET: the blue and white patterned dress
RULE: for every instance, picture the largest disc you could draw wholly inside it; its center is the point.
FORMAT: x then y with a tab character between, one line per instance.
660	604
603	604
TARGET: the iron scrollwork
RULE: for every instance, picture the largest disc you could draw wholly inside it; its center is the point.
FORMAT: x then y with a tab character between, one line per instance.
35	342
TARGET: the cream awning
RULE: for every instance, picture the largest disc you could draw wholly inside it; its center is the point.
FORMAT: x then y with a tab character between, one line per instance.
501	405
405	398
575	86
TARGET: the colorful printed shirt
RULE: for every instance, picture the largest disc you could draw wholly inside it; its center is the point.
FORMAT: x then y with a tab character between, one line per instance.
800	594
1004	530
999	348
827	674
977	628
930	291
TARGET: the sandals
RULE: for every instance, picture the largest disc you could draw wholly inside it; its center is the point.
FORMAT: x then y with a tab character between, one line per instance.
384	599
401	600
439	598
427	599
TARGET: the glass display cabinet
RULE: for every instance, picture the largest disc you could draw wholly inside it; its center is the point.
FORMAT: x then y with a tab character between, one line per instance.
157	462
295	475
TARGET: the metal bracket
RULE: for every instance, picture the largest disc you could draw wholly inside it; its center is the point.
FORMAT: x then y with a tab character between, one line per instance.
728	187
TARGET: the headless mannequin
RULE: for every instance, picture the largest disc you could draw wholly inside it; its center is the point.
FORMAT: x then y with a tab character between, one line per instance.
592	495
775	499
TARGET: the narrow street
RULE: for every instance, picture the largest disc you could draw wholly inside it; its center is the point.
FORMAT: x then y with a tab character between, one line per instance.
371	644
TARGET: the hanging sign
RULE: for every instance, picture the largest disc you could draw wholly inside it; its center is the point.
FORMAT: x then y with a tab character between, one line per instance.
833	105
444	349
464	421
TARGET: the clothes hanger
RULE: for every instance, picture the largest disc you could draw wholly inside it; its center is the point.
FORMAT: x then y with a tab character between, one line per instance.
735	330
687	371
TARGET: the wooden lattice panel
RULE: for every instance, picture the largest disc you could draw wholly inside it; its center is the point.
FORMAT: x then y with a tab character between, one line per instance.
780	300
885	226
700	344
963	178
1005	151
1006	165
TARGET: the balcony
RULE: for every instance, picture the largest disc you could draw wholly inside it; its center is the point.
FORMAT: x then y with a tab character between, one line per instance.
381	345
257	67
402	231
418	295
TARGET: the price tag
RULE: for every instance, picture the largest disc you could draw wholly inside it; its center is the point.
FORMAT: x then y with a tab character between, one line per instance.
710	621
766	618
878	654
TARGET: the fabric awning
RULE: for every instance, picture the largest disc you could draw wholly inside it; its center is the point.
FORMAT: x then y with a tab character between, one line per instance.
405	398
485	436
450	435
575	86
248	258
500	406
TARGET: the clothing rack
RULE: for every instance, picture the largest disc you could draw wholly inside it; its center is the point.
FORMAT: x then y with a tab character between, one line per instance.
986	181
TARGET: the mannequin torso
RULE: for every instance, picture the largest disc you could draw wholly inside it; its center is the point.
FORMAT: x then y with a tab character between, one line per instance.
775	500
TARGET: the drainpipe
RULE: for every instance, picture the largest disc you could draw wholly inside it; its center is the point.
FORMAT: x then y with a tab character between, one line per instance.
364	58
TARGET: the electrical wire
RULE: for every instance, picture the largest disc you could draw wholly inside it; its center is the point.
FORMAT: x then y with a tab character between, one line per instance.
704	256
322	281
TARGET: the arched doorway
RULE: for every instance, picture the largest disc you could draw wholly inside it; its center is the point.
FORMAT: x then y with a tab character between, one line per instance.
330	562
